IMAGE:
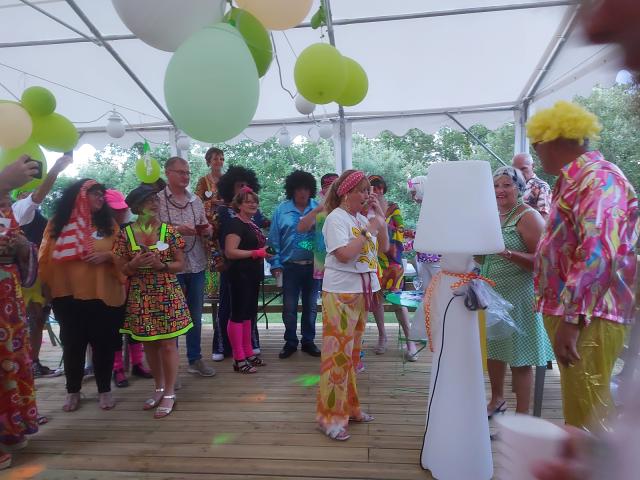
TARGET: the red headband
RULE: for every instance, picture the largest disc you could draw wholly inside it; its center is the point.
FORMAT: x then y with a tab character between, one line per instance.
350	182
246	189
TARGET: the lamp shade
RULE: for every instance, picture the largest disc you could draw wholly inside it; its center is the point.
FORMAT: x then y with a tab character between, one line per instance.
459	213
183	143
115	127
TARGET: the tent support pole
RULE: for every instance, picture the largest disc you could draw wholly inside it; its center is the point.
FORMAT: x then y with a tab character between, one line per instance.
521	145
478	141
74	6
341	121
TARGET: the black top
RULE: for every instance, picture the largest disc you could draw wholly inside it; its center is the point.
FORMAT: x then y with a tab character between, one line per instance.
225	215
249	240
34	230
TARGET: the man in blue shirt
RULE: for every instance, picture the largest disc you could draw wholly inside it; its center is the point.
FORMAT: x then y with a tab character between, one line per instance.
293	259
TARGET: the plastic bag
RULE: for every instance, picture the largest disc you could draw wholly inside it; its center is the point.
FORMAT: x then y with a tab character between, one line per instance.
479	295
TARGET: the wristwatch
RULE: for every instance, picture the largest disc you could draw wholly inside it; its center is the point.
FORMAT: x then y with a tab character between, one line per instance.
365	232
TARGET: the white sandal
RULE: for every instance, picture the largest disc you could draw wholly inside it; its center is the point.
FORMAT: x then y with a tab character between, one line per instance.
363	418
153	402
162	412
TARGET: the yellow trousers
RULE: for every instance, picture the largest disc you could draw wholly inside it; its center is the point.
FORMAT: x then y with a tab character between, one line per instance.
586	395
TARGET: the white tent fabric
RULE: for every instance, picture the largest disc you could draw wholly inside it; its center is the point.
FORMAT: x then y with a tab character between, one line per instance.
479	66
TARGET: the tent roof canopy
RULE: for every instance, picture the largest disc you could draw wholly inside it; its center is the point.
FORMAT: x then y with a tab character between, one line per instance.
476	59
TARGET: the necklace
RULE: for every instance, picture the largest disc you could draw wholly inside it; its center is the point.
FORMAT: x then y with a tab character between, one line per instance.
168	201
510	212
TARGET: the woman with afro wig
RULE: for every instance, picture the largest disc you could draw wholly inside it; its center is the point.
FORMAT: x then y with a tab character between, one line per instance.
229	185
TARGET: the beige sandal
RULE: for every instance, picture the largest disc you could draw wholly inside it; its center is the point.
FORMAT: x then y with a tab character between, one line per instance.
363	418
336	433
72	402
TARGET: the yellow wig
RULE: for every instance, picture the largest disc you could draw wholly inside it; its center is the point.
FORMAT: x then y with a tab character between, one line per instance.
564	120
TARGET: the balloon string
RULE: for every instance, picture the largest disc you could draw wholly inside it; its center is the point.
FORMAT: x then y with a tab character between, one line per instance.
275	54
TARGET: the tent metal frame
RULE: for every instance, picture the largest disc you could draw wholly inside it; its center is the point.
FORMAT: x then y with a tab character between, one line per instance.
345	120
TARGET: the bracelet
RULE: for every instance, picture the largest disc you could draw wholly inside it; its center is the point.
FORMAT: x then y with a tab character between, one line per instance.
508	254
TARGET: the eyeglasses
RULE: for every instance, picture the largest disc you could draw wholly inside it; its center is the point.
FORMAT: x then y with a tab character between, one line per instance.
184	173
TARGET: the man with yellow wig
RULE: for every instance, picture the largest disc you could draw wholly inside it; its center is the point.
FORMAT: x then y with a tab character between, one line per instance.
586	260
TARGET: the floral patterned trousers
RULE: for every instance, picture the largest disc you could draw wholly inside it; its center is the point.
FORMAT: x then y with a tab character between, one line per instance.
343	318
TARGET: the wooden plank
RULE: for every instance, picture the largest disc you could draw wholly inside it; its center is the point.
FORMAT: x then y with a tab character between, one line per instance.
237	427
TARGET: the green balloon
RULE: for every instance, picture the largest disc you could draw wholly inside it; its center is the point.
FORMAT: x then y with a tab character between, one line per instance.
211	84
38	101
150	175
320	73
32	149
55	132
255	35
357	84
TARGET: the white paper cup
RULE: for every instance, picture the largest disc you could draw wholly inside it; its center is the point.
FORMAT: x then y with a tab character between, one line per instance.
526	441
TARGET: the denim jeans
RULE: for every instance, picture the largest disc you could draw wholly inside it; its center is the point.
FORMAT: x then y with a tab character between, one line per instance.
193	287
296	280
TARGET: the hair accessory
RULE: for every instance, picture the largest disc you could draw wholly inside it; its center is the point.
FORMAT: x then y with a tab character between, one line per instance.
350	182
246	189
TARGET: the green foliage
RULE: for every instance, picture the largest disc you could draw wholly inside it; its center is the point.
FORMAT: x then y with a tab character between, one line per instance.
396	158
617	109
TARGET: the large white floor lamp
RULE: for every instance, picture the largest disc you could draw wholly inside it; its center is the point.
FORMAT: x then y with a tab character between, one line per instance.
458	218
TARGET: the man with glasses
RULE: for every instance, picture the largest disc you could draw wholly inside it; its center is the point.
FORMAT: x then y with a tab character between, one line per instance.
184	210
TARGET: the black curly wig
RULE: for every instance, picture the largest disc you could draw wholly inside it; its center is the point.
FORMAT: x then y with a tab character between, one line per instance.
299	179
102	219
233	175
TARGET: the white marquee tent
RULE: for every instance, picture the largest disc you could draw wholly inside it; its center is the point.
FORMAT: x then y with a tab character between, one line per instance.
430	64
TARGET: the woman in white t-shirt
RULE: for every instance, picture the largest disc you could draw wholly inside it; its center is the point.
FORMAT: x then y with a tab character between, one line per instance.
350	279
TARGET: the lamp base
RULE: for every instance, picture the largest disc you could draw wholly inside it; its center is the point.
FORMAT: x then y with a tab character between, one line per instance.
456	442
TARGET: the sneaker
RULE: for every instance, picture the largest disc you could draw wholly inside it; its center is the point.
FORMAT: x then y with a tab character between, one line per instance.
5	460
198	367
256	351
120	378
41	371
217	357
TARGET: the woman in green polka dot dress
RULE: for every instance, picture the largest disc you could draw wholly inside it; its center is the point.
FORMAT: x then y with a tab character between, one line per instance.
512	270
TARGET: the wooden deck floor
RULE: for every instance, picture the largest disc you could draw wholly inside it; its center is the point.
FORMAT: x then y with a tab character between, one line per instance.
240	427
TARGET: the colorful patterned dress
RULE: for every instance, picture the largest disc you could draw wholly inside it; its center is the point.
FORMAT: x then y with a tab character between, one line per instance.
390	270
207	190
18	412
530	345
156	307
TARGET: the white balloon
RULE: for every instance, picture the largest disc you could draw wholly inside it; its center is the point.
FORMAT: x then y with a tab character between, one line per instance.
326	129
166	24
304	106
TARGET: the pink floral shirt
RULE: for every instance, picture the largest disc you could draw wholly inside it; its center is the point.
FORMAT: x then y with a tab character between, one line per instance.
586	259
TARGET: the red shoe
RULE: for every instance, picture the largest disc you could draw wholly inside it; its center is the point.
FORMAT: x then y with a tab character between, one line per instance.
120	378
139	370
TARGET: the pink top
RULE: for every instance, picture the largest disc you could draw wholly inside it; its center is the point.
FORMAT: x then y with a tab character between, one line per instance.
586	259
